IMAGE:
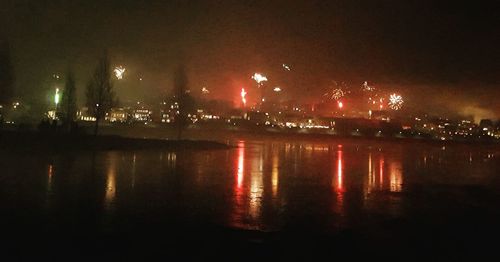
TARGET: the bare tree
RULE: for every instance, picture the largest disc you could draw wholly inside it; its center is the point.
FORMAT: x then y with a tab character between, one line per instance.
180	87
99	93
6	73
186	103
68	102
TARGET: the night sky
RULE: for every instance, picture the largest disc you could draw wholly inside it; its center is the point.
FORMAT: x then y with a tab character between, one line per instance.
441	55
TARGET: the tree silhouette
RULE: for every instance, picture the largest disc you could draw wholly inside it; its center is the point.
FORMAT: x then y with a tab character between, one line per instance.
100	95
6	73
67	111
184	100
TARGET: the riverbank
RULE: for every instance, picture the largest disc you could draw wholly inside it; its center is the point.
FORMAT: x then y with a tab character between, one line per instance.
28	140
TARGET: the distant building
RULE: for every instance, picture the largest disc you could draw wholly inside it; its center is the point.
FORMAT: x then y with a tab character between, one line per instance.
142	115
380	115
486	124
84	115
166	116
486	127
119	115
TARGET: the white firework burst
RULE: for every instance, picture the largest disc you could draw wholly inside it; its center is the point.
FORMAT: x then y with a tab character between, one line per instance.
395	102
365	87
119	71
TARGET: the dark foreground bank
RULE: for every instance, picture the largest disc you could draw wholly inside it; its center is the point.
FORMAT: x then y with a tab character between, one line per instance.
452	232
12	140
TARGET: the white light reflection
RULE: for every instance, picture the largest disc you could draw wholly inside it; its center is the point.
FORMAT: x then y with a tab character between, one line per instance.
274	174
395	176
110	194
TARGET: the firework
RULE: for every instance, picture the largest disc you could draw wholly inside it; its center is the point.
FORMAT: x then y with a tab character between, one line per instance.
57	97
286	67
205	91
119	71
381	103
277	89
337	94
243	97
366	87
395	102
259	78
337	91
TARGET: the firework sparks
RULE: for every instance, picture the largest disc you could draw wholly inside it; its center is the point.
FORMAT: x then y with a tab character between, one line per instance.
395	102
286	67
259	78
277	89
337	94
366	87
205	91
243	96
337	91
119	72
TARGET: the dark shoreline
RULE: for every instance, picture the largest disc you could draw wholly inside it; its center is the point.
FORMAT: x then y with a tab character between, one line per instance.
17	140
30	140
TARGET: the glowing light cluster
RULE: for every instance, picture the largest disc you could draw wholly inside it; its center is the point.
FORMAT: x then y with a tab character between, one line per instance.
205	91
277	89
395	102
286	67
259	78
119	72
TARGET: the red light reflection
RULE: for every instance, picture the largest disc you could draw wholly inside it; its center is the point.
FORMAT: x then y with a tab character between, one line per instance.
339	170
381	171
241	158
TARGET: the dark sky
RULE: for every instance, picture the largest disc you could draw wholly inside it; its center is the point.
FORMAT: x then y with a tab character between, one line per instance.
430	51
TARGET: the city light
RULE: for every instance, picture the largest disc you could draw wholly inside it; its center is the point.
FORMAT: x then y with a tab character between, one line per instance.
119	72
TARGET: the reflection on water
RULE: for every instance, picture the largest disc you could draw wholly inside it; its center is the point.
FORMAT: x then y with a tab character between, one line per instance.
249	187
260	184
241	165
339	186
396	177
50	173
110	191
238	188
274	173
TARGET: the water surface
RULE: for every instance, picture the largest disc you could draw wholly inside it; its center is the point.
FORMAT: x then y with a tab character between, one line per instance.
264	185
